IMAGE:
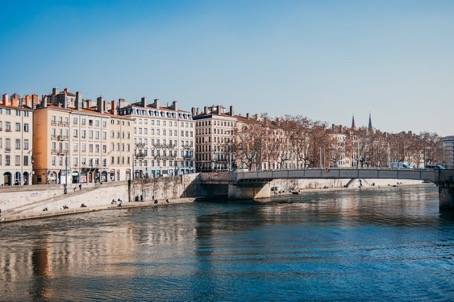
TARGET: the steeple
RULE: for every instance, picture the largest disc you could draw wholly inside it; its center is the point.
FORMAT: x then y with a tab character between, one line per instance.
370	122
353	122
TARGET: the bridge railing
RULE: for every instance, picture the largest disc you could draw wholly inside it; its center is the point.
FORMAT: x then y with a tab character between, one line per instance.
338	173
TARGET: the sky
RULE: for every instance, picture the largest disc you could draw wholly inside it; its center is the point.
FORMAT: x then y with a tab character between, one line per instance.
326	60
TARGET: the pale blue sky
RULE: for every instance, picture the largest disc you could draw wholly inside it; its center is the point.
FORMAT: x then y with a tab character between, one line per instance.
323	59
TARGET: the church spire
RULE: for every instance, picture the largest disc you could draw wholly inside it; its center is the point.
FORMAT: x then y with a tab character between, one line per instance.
353	122
370	122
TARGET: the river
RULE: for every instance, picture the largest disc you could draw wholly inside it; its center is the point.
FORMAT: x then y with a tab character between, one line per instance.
381	245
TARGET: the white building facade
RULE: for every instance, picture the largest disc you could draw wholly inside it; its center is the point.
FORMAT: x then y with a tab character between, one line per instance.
164	139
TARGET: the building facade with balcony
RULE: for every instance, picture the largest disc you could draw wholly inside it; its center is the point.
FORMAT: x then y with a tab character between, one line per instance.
16	140
215	131
80	141
164	138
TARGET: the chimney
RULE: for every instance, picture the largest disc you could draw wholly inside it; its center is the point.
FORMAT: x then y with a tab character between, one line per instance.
193	111
77	101
205	111
247	115
15	100
218	109
143	102
28	101
156	103
121	103
99	104
231	110
54	91
44	103
65	91
104	106
197	111
87	104
35	100
112	107
174	105
5	99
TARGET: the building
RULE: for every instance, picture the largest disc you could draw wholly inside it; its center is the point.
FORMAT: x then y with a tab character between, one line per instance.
81	139
164	138
214	134
448	151
16	139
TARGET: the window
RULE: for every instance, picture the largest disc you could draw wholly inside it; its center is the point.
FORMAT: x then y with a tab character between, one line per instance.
25	160
17	160
26	144
8	126
26	127
75	121
17	144
7	160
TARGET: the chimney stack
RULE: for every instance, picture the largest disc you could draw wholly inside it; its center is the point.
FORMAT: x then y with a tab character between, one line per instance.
54	91
193	111
205	111
99	104
218	109
35	100
5	99
121	103
77	101
112	107
231	110
156	103
15	100
174	105
247	115
44	103
143	102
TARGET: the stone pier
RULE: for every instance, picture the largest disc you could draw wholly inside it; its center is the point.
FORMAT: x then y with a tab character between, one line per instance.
249	191
446	197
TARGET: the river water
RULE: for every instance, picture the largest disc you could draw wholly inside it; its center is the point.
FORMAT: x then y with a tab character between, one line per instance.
390	244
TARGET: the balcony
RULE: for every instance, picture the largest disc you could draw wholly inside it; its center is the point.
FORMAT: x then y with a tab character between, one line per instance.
7	150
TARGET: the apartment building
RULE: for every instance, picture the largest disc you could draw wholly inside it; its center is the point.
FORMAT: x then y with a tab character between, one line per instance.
164	138
16	139
80	141
215	130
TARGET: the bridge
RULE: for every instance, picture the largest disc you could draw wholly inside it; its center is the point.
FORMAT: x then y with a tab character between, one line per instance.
252	185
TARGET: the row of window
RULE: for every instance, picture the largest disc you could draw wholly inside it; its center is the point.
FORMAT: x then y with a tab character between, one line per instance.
17	112
165	123
157	142
91	147
17	128
163	163
156	113
215	123
17	160
64	121
90	162
18	144
164	132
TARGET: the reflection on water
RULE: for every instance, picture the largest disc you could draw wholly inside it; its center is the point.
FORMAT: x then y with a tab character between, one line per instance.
345	245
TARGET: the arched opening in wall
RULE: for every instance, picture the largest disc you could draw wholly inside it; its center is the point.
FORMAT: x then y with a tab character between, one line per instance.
52	178
26	178
90	177
17	179
75	177
7	179
104	176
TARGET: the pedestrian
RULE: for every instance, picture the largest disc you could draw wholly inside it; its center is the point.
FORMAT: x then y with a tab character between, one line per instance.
80	187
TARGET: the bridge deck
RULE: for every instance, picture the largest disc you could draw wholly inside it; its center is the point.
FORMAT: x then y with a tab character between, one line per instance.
430	175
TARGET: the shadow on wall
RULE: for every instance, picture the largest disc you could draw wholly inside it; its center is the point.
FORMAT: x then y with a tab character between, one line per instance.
183	186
